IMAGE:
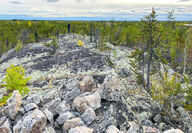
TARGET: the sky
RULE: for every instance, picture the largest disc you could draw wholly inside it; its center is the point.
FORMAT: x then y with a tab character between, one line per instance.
129	10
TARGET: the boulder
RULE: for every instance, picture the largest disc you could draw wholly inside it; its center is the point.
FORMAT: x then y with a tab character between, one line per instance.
112	129
129	127
185	119
64	117
32	122
63	107
173	131
49	130
6	127
87	84
157	118
52	105
72	94
72	123
81	129
49	115
49	95
13	104
30	106
37	99
150	130
111	89
88	99
88	116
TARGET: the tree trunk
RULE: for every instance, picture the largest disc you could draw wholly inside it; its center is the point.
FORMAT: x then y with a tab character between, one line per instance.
185	52
149	65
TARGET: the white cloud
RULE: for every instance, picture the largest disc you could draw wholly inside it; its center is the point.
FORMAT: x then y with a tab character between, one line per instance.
93	8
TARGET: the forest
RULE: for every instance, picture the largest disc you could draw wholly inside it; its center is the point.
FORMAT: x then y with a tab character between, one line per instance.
172	41
153	55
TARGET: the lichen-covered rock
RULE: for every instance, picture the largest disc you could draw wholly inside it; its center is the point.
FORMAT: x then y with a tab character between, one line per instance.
32	122
88	99
49	95
157	118
37	99
63	107
111	90
88	116
6	127
30	106
185	119
72	123
129	127
52	105
112	129
87	84
81	129
49	115
150	130
49	130
64	117
173	131
13	104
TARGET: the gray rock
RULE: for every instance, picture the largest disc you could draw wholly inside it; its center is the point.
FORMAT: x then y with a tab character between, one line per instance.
129	127
32	122
147	123
161	125
173	131
88	99
49	95
70	95
63	107
185	119
111	90
72	123
112	129
52	106
88	116
49	130
157	118
30	106
13	104
2	120
81	129
150	130
49	115
22	110
124	72
37	99
64	117
144	116
87	84
6	127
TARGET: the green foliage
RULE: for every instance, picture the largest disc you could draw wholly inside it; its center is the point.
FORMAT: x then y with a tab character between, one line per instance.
188	92
53	44
19	46
166	91
15	80
115	53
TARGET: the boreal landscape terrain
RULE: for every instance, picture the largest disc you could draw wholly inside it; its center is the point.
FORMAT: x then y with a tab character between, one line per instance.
96	76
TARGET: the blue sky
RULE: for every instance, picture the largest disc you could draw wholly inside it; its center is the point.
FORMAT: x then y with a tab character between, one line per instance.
93	9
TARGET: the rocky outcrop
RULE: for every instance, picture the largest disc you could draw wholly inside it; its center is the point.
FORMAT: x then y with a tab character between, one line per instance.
13	104
78	91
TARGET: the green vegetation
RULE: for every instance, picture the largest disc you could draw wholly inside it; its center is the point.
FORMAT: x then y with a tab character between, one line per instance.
169	92
15	80
19	46
53	44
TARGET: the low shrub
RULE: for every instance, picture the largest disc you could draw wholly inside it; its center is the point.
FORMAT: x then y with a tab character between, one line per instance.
15	80
19	46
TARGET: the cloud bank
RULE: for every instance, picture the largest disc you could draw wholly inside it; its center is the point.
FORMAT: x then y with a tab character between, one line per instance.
125	9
